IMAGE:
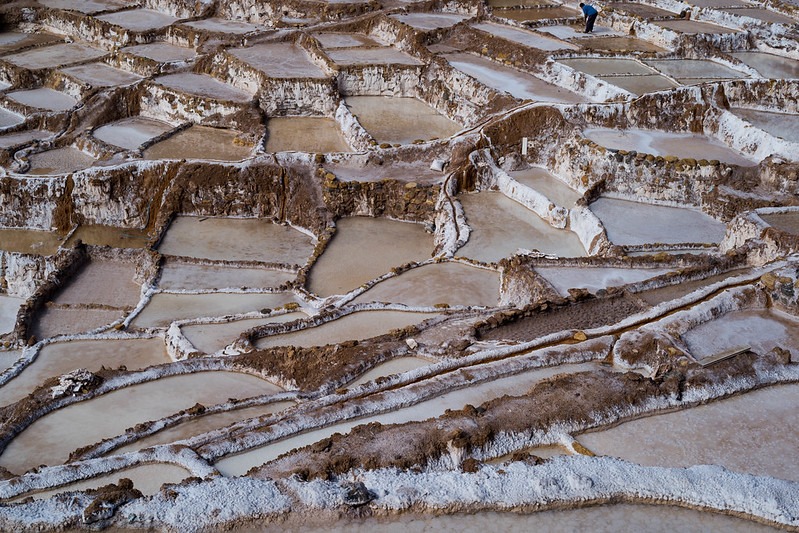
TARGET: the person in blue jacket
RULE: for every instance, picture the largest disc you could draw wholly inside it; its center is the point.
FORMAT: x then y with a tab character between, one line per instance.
590	13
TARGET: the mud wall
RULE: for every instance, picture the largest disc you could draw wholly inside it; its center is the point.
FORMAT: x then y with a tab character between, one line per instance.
31	202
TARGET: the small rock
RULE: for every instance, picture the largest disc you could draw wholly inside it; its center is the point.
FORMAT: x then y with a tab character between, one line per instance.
580	336
356	493
412	344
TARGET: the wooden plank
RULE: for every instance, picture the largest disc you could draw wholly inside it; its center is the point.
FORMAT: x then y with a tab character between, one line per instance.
726	354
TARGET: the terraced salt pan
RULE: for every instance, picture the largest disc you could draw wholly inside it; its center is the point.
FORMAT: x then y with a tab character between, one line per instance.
519	84
608	66
761	330
454	284
8	358
165	308
753	432
69	321
526	38
639	85
101	75
220	25
63	357
85	6
642	10
501	226
412	172
44	98
538	13
346	263
782	125
630	223
28	241
595	278
108	283
787	222
9	118
210	338
279	60
576	31
110	236
689	71
541	180
521	3
766	15
162	52
59	161
620	44
393	366
11	41
147	478
429	21
609	518
177	276
355	326
333	40
131	133
51	438
304	134
770	65
204	86
9	306
236	239
21	137
139	19
371	56
203	424
672	292
201	142
683	145
715	4
56	55
693	27
400	120
475	395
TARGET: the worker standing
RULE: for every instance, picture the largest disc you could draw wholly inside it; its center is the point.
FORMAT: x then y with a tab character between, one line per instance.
590	13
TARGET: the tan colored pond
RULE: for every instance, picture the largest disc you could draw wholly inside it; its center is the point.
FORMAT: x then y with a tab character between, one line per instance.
397	365
54	56
304	134
101	75
139	19
201	142
59	161
29	241
543	181
595	278
400	120
210	338
51	438
131	133
176	276
110	236
44	98
107	283
68	321
787	222
346	263
279	60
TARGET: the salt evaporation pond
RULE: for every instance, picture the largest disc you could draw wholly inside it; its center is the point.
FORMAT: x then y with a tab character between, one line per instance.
176	276
29	241
766	15
782	125
524	37
236	239
203	86
85	6
9	118
762	330
9	306
356	326
44	98
203	424
56	55
663	143
165	308
55	321
770	65
382	55
450	283
400	120
21	137
787	222
515	82
429	21
476	395
304	134
201	142
147	478
162	52
754	433
620	44
644	10
630	223
333	40
212	337
393	366
640	84
279	60
108	283
595	278
347	263
628	74
500	226
672	292
131	133
538	13
101	75
541	180
139	19
110	236
221	25
575	31
693	27
691	71
59	161
364	170
613	518
8	358
50	439
62	357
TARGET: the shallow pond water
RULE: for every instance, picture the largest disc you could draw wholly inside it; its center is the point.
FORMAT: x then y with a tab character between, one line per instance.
29	241
101	75
162	52
400	120
44	98
176	276
9	306
201	142
541	180
107	283
131	133
393	366
595	278
210	338
429	21
203	86
139	19
524	37
55	56
770	65
305	134
279	60
787	222
782	125
59	161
